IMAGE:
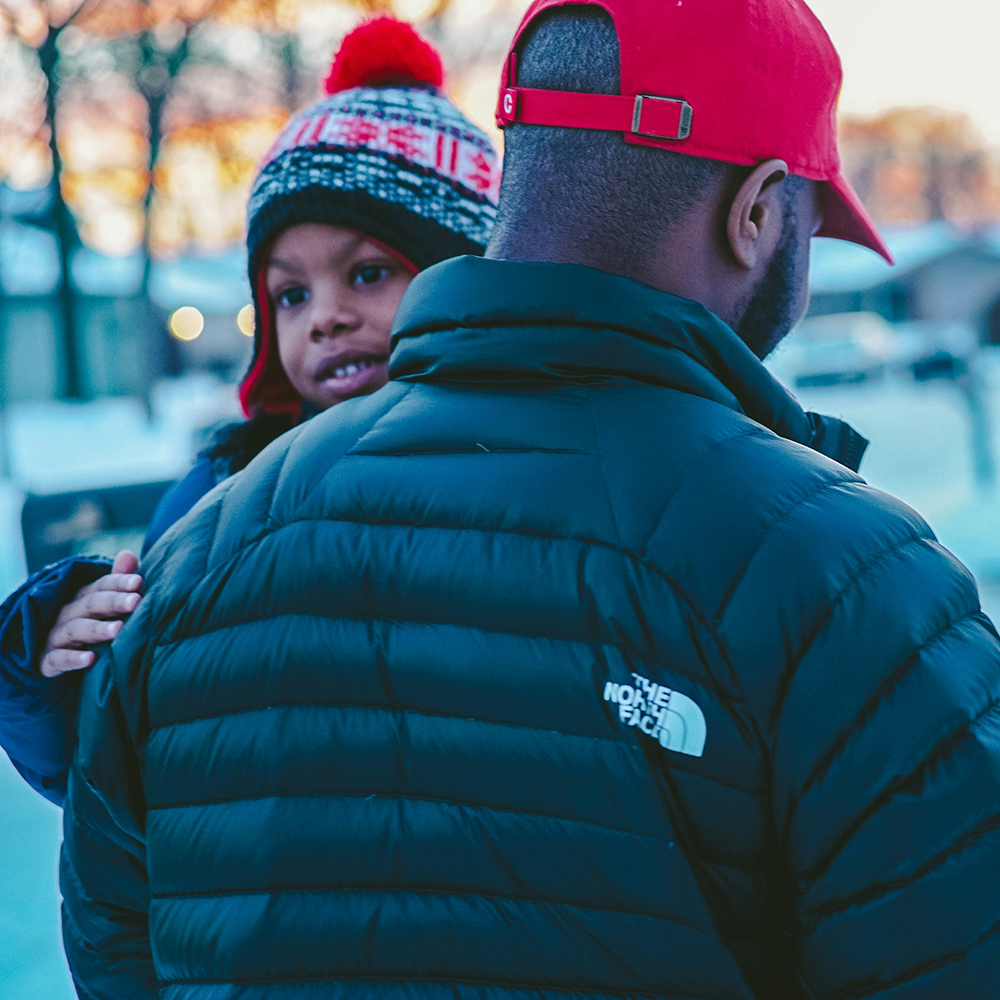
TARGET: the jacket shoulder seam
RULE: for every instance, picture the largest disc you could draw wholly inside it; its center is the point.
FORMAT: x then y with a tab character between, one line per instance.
823	620
755	430
784	515
634	557
964	842
890	682
940	750
273	521
604	475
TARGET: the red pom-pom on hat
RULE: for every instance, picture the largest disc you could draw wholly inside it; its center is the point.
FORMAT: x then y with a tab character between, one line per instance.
383	52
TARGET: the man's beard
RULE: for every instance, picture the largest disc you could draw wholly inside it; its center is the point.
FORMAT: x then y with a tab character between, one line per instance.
774	305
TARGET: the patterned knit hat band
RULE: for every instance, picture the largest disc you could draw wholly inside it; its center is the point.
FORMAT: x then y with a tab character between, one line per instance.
408	146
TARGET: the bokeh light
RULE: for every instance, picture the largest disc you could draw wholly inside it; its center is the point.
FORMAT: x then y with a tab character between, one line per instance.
187	323
244	320
415	10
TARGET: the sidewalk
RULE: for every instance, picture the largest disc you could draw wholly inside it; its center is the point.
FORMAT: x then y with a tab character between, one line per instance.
32	965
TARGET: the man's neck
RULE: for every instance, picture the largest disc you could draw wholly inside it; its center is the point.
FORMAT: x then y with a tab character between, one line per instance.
677	268
539	247
685	263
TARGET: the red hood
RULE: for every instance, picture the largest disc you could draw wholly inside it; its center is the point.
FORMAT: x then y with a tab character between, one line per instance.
265	386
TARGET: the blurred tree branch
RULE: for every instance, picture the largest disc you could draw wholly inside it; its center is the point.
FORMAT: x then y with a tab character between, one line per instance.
65	224
159	38
158	72
436	9
40	25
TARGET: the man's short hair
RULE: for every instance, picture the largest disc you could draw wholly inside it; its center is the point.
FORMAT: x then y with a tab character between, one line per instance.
582	183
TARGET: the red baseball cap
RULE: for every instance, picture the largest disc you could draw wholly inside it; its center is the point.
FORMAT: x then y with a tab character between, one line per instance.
740	81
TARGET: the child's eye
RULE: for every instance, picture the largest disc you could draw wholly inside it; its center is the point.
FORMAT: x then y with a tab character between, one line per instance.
369	274
292	297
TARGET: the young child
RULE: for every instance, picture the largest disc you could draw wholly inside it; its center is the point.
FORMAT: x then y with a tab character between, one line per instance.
379	180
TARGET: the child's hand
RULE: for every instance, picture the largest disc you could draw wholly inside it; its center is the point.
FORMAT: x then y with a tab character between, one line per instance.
95	615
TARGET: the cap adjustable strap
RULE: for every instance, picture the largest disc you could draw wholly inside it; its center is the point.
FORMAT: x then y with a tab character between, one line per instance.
644	114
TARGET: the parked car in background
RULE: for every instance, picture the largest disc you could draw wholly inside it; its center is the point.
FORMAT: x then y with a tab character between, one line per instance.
845	348
931	349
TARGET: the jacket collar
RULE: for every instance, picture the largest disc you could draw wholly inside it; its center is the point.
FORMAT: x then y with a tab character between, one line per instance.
471	319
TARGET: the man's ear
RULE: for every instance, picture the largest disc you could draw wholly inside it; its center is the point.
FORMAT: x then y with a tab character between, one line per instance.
754	210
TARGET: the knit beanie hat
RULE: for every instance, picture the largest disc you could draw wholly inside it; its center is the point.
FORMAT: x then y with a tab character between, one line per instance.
386	154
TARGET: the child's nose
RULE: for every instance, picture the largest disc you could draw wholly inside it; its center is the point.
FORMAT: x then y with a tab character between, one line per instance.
333	315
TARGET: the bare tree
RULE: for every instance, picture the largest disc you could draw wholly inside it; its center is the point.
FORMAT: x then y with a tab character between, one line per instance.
162	33
162	55
56	17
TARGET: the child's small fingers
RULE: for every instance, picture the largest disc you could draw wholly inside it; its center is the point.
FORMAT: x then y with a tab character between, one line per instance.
79	632
103	604
124	582
125	562
128	582
61	661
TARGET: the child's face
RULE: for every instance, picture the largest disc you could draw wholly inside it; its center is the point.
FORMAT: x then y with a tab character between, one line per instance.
335	295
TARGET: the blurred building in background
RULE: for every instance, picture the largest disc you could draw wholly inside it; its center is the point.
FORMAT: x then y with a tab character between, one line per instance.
129	135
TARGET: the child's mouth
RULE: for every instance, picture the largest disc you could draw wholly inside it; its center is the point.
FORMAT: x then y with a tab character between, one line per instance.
348	375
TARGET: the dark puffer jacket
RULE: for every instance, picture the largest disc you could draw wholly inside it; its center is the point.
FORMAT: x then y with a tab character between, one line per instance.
558	668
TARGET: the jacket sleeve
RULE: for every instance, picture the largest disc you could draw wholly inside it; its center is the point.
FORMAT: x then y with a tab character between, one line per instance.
37	714
882	715
103	875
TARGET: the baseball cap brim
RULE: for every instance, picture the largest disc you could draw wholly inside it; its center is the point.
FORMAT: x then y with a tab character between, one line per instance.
845	218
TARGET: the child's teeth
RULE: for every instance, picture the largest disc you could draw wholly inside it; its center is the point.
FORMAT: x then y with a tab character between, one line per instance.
352	369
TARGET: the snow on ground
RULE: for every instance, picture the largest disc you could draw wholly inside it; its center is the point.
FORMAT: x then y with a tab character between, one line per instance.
921	452
53	447
32	966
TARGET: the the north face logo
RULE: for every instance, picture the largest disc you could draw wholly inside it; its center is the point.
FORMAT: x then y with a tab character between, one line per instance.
665	715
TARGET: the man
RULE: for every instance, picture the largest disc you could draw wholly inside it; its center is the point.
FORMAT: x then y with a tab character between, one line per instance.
576	661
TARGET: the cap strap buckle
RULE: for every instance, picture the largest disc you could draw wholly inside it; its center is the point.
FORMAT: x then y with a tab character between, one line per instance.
663	118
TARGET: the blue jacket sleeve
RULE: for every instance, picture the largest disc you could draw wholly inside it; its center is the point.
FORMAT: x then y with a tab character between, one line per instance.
37	714
179	499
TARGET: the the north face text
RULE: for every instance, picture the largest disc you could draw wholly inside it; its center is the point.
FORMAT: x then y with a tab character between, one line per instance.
668	716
